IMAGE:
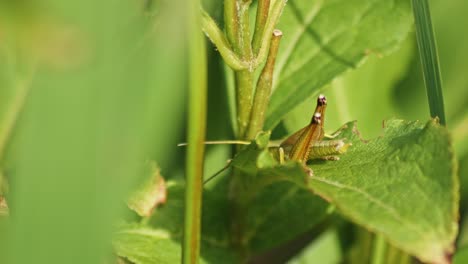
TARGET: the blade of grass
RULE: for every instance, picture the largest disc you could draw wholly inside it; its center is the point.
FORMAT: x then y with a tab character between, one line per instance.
429	58
195	134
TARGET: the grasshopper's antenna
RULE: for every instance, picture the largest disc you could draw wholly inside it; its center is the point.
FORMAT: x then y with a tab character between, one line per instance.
220	142
218	172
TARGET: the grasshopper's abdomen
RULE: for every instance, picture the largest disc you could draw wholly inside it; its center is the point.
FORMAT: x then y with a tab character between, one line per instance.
327	148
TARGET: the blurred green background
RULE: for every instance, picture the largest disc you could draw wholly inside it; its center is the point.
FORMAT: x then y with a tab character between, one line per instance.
90	90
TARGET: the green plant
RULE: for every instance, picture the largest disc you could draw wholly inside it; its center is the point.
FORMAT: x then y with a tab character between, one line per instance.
370	183
388	199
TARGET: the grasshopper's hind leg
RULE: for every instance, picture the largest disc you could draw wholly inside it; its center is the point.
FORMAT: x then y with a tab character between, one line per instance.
332	136
330	158
328	149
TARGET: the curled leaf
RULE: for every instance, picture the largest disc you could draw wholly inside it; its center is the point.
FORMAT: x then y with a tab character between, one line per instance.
150	194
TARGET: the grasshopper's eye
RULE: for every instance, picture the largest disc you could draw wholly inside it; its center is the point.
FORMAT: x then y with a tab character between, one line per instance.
317	118
321	100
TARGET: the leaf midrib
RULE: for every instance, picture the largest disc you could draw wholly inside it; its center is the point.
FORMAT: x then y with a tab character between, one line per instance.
392	211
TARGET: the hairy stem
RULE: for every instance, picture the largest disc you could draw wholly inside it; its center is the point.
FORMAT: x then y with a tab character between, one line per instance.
272	20
263	9
231	21
244	79
262	94
244	32
217	37
244	88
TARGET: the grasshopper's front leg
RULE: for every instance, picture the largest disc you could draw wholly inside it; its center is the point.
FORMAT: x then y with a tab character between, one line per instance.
282	158
281	155
332	136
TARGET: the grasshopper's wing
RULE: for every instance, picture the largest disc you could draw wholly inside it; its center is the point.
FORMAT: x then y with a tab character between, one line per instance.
298	146
300	151
291	140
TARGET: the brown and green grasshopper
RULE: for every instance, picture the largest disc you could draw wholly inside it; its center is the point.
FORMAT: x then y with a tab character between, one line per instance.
305	144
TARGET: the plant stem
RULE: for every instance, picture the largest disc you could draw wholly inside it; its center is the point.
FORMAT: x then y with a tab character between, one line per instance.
272	20
217	37
244	32
262	94
244	89
429	58
244	78
231	22
395	255
378	250
263	9
195	135
362	247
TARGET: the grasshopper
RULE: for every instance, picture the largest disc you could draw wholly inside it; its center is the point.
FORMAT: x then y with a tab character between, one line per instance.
305	144
308	144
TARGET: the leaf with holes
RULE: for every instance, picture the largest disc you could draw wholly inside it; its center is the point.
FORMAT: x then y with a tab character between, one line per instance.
322	39
402	185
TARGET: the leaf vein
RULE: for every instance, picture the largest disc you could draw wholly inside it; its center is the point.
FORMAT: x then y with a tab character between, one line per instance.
374	200
324	45
305	23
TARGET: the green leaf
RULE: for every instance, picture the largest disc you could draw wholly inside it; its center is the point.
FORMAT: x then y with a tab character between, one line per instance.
402	185
143	244
322	39
281	212
158	239
351	95
272	193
